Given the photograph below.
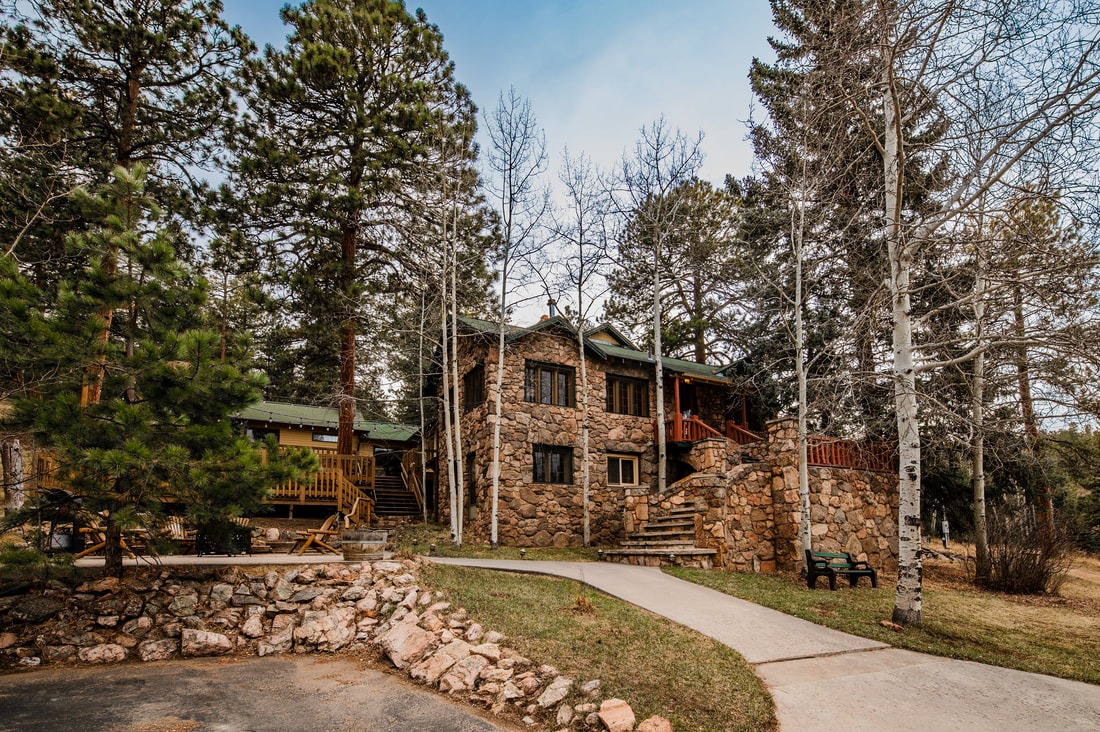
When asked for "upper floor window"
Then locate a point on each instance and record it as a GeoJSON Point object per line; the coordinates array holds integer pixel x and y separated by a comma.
{"type": "Point", "coordinates": [627, 396]}
{"type": "Point", "coordinates": [551, 464]}
{"type": "Point", "coordinates": [473, 387]}
{"type": "Point", "coordinates": [547, 383]}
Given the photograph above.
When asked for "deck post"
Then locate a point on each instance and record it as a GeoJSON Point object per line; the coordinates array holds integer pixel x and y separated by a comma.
{"type": "Point", "coordinates": [677, 416]}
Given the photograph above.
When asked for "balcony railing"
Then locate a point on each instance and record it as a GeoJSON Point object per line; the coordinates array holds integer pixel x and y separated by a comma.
{"type": "Point", "coordinates": [857, 455]}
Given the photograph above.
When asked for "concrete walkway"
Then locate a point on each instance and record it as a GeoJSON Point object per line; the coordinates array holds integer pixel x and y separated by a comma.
{"type": "Point", "coordinates": [822, 679]}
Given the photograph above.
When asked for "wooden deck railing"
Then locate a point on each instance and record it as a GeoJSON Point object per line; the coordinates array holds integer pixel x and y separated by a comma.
{"type": "Point", "coordinates": [325, 486]}
{"type": "Point", "coordinates": [691, 429]}
{"type": "Point", "coordinates": [854, 454]}
{"type": "Point", "coordinates": [410, 474]}
{"type": "Point", "coordinates": [739, 434]}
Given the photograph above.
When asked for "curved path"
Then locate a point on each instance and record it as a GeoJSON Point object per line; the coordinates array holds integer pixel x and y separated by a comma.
{"type": "Point", "coordinates": [822, 679]}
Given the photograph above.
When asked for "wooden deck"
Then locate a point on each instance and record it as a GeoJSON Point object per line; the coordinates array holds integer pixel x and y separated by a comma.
{"type": "Point", "coordinates": [343, 482]}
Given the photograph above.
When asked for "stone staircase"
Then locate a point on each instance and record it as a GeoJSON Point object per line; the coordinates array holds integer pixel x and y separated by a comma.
{"type": "Point", "coordinates": [663, 541]}
{"type": "Point", "coordinates": [392, 498]}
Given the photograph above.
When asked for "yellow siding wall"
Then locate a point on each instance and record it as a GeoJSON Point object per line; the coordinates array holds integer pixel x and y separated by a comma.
{"type": "Point", "coordinates": [303, 437]}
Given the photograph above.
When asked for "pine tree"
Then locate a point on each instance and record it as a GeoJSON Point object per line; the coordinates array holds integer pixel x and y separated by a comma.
{"type": "Point", "coordinates": [338, 122]}
{"type": "Point", "coordinates": [161, 431]}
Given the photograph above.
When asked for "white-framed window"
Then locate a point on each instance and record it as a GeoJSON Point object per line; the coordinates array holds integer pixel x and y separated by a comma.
{"type": "Point", "coordinates": [322, 437]}
{"type": "Point", "coordinates": [622, 469]}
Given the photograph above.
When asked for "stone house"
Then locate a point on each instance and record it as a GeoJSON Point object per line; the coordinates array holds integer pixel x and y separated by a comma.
{"type": "Point", "coordinates": [727, 482]}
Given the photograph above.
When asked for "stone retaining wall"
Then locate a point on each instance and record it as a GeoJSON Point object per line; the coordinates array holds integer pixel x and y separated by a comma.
{"type": "Point", "coordinates": [157, 615]}
{"type": "Point", "coordinates": [750, 511]}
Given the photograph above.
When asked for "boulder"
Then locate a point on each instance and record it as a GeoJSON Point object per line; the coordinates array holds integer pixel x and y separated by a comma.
{"type": "Point", "coordinates": [106, 653]}
{"type": "Point", "coordinates": [281, 638]}
{"type": "Point", "coordinates": [555, 692]}
{"type": "Point", "coordinates": [434, 666]}
{"type": "Point", "coordinates": [616, 715]}
{"type": "Point", "coordinates": [253, 626]}
{"type": "Point", "coordinates": [404, 643]}
{"type": "Point", "coordinates": [463, 675]}
{"type": "Point", "coordinates": [326, 631]}
{"type": "Point", "coordinates": [157, 650]}
{"type": "Point", "coordinates": [656, 723]}
{"type": "Point", "coordinates": [195, 642]}
{"type": "Point", "coordinates": [35, 610]}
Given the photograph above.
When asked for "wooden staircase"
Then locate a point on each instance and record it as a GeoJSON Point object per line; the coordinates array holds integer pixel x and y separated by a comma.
{"type": "Point", "coordinates": [666, 540]}
{"type": "Point", "coordinates": [392, 498]}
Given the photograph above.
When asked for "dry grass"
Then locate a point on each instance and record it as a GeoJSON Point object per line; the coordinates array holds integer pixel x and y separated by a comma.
{"type": "Point", "coordinates": [657, 666]}
{"type": "Point", "coordinates": [1056, 635]}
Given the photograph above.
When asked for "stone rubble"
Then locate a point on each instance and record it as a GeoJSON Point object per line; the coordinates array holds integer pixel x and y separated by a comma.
{"type": "Point", "coordinates": [158, 615]}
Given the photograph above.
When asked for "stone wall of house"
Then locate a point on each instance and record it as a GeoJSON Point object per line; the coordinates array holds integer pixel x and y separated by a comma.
{"type": "Point", "coordinates": [545, 514]}
{"type": "Point", "coordinates": [750, 511]}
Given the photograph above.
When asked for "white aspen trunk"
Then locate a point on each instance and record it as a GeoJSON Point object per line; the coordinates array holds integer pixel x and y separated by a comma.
{"type": "Point", "coordinates": [447, 428]}
{"type": "Point", "coordinates": [977, 415]}
{"type": "Point", "coordinates": [585, 474]}
{"type": "Point", "coordinates": [423, 419]}
{"type": "Point", "coordinates": [798, 229]}
{"type": "Point", "coordinates": [11, 452]}
{"type": "Point", "coordinates": [658, 367]}
{"type": "Point", "coordinates": [907, 600]}
{"type": "Point", "coordinates": [498, 408]}
{"type": "Point", "coordinates": [456, 405]}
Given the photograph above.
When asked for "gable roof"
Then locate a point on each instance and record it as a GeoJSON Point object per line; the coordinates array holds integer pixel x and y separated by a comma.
{"type": "Point", "coordinates": [304, 415]}
{"type": "Point", "coordinates": [626, 350]}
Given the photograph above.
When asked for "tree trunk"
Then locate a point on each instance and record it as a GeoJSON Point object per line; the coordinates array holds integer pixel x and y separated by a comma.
{"type": "Point", "coordinates": [112, 550]}
{"type": "Point", "coordinates": [658, 367]}
{"type": "Point", "coordinates": [1043, 498]}
{"type": "Point", "coordinates": [700, 334]}
{"type": "Point", "coordinates": [11, 458]}
{"type": "Point", "coordinates": [907, 600]}
{"type": "Point", "coordinates": [460, 474]}
{"type": "Point", "coordinates": [498, 413]}
{"type": "Point", "coordinates": [982, 569]}
{"type": "Point", "coordinates": [423, 419]}
{"type": "Point", "coordinates": [346, 405]}
{"type": "Point", "coordinates": [587, 514]}
{"type": "Point", "coordinates": [452, 483]}
{"type": "Point", "coordinates": [798, 229]}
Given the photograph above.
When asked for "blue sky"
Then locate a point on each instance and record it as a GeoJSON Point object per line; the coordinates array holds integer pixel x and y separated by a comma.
{"type": "Point", "coordinates": [596, 71]}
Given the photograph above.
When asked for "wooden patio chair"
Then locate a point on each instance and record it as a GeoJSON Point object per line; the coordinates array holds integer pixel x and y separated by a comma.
{"type": "Point", "coordinates": [178, 533]}
{"type": "Point", "coordinates": [98, 535]}
{"type": "Point", "coordinates": [317, 538]}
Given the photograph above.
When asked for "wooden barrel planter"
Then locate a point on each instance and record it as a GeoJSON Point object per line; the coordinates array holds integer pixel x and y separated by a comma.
{"type": "Point", "coordinates": [363, 545]}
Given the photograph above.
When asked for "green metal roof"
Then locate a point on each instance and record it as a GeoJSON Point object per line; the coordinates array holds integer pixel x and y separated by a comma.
{"type": "Point", "coordinates": [305, 415]}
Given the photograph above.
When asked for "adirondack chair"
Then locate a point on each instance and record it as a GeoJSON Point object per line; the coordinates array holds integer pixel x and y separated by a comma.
{"type": "Point", "coordinates": [317, 538]}
{"type": "Point", "coordinates": [97, 535]}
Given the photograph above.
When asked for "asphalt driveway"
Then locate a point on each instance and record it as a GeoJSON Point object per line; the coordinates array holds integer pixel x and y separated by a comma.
{"type": "Point", "coordinates": [272, 694]}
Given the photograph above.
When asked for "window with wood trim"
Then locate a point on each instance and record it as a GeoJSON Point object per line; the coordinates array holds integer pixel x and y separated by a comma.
{"type": "Point", "coordinates": [551, 464]}
{"type": "Point", "coordinates": [627, 396]}
{"type": "Point", "coordinates": [548, 383]}
{"type": "Point", "coordinates": [473, 387]}
{"type": "Point", "coordinates": [622, 469]}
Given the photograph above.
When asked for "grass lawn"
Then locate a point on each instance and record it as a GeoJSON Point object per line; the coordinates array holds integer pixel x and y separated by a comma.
{"type": "Point", "coordinates": [417, 538]}
{"type": "Point", "coordinates": [658, 667]}
{"type": "Point", "coordinates": [1058, 635]}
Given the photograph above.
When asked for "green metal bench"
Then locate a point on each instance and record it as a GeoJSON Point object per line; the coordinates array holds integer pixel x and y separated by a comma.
{"type": "Point", "coordinates": [824, 564]}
